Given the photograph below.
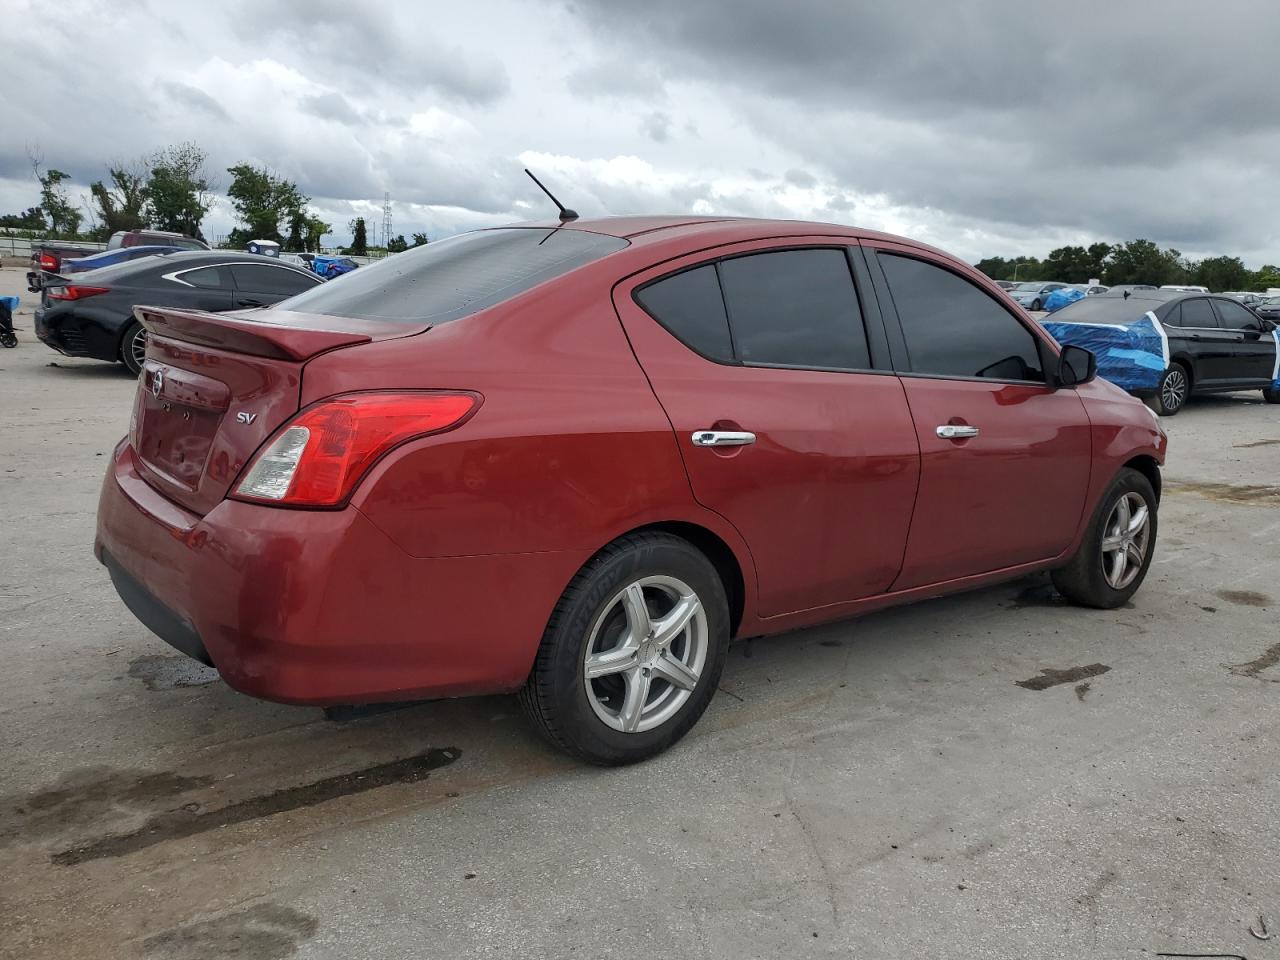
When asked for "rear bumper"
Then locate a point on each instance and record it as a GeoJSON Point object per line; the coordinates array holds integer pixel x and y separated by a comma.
{"type": "Point", "coordinates": [321, 607]}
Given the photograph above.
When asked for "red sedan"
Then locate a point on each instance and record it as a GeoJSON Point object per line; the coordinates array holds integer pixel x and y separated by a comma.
{"type": "Point", "coordinates": [574, 460]}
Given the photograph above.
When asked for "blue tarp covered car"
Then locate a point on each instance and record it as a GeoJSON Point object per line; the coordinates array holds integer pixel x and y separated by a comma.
{"type": "Point", "coordinates": [1167, 344]}
{"type": "Point", "coordinates": [1061, 297]}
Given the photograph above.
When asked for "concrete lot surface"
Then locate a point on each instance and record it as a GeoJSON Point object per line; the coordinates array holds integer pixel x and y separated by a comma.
{"type": "Point", "coordinates": [880, 789]}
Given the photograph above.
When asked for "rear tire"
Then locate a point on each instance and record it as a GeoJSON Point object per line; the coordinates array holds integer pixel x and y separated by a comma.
{"type": "Point", "coordinates": [1116, 552]}
{"type": "Point", "coordinates": [1172, 391]}
{"type": "Point", "coordinates": [1271, 395]}
{"type": "Point", "coordinates": [647, 607]}
{"type": "Point", "coordinates": [133, 348]}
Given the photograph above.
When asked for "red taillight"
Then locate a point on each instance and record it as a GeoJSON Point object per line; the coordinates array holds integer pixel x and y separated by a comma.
{"type": "Point", "coordinates": [318, 457]}
{"type": "Point", "coordinates": [49, 262]}
{"type": "Point", "coordinates": [75, 292]}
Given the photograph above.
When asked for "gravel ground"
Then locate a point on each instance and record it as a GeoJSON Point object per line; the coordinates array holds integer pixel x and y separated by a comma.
{"type": "Point", "coordinates": [881, 788]}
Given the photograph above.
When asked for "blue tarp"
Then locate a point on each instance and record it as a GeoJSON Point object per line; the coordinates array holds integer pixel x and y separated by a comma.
{"type": "Point", "coordinates": [10, 302]}
{"type": "Point", "coordinates": [1133, 356]}
{"type": "Point", "coordinates": [1061, 297]}
{"type": "Point", "coordinates": [1275, 370]}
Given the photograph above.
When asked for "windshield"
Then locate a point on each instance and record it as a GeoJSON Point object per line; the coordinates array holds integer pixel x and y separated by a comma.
{"type": "Point", "coordinates": [457, 277]}
{"type": "Point", "coordinates": [1033, 285]}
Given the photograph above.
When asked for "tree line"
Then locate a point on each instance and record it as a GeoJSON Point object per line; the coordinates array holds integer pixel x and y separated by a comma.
{"type": "Point", "coordinates": [172, 190]}
{"type": "Point", "coordinates": [1137, 261]}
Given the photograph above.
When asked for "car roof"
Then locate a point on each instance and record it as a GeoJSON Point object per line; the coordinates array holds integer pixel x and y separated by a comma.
{"type": "Point", "coordinates": [1158, 296]}
{"type": "Point", "coordinates": [142, 267]}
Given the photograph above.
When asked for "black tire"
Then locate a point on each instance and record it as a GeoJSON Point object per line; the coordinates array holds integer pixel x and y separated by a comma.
{"type": "Point", "coordinates": [133, 338]}
{"type": "Point", "coordinates": [1083, 580]}
{"type": "Point", "coordinates": [1271, 395]}
{"type": "Point", "coordinates": [1172, 390]}
{"type": "Point", "coordinates": [556, 697]}
{"type": "Point", "coordinates": [1036, 305]}
{"type": "Point", "coordinates": [8, 339]}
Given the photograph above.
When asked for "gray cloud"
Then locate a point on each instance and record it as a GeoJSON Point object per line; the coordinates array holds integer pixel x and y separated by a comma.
{"type": "Point", "coordinates": [194, 99]}
{"type": "Point", "coordinates": [331, 106]}
{"type": "Point", "coordinates": [656, 126]}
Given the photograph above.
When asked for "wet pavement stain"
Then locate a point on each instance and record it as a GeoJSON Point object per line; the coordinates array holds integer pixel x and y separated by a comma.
{"type": "Point", "coordinates": [1269, 658]}
{"type": "Point", "coordinates": [1255, 443]}
{"type": "Point", "coordinates": [191, 819]}
{"type": "Point", "coordinates": [1228, 492]}
{"type": "Point", "coordinates": [265, 931]}
{"type": "Point", "coordinates": [1245, 598]}
{"type": "Point", "coordinates": [1082, 689]}
{"type": "Point", "coordinates": [169, 673]}
{"type": "Point", "coordinates": [831, 643]}
{"type": "Point", "coordinates": [85, 796]}
{"type": "Point", "coordinates": [1051, 678]}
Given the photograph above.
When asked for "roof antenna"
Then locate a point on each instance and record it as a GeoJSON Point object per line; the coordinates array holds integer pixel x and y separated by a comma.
{"type": "Point", "coordinates": [565, 212]}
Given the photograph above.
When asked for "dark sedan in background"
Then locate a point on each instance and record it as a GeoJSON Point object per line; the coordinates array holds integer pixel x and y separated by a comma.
{"type": "Point", "coordinates": [91, 314]}
{"type": "Point", "coordinates": [1167, 345]}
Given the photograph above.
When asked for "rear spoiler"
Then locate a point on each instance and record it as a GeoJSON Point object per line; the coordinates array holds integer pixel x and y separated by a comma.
{"type": "Point", "coordinates": [255, 337]}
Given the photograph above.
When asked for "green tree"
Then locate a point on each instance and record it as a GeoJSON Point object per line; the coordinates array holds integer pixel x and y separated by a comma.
{"type": "Point", "coordinates": [315, 232]}
{"type": "Point", "coordinates": [1265, 278]}
{"type": "Point", "coordinates": [178, 189]}
{"type": "Point", "coordinates": [122, 206]}
{"type": "Point", "coordinates": [30, 219]}
{"type": "Point", "coordinates": [419, 240]}
{"type": "Point", "coordinates": [262, 200]}
{"type": "Point", "coordinates": [64, 218]}
{"type": "Point", "coordinates": [359, 238]}
{"type": "Point", "coordinates": [1222, 273]}
{"type": "Point", "coordinates": [1068, 264]}
{"type": "Point", "coordinates": [397, 244]}
{"type": "Point", "coordinates": [296, 241]}
{"type": "Point", "coordinates": [1141, 261]}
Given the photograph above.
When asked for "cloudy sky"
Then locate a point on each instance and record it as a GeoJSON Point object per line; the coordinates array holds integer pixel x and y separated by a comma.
{"type": "Point", "coordinates": [984, 126]}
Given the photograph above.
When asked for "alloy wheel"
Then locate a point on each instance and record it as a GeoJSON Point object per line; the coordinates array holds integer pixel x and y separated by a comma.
{"type": "Point", "coordinates": [645, 653]}
{"type": "Point", "coordinates": [1125, 538]}
{"type": "Point", "coordinates": [139, 347]}
{"type": "Point", "coordinates": [1173, 391]}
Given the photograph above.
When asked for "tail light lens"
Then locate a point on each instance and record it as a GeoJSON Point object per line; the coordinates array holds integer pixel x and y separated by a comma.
{"type": "Point", "coordinates": [49, 262]}
{"type": "Point", "coordinates": [75, 292]}
{"type": "Point", "coordinates": [318, 457]}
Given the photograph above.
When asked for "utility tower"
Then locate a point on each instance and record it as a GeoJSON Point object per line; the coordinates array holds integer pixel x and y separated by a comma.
{"type": "Point", "coordinates": [386, 217]}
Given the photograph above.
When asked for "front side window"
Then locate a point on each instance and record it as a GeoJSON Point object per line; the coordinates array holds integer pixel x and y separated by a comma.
{"type": "Point", "coordinates": [1236, 317]}
{"type": "Point", "coordinates": [955, 329]}
{"type": "Point", "coordinates": [795, 308]}
{"type": "Point", "coordinates": [1198, 313]}
{"type": "Point", "coordinates": [454, 278]}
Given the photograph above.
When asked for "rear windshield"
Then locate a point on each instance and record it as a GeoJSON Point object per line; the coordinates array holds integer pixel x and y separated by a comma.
{"type": "Point", "coordinates": [455, 278]}
{"type": "Point", "coordinates": [1105, 309]}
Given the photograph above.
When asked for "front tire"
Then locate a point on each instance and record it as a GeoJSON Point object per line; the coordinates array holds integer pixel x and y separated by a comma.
{"type": "Point", "coordinates": [133, 348]}
{"type": "Point", "coordinates": [1036, 305]}
{"type": "Point", "coordinates": [1116, 552]}
{"type": "Point", "coordinates": [633, 651]}
{"type": "Point", "coordinates": [1172, 391]}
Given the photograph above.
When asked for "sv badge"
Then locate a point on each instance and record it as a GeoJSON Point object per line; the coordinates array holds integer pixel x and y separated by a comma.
{"type": "Point", "coordinates": [246, 418]}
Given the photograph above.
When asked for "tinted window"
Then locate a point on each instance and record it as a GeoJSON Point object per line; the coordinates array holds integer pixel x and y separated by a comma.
{"type": "Point", "coordinates": [795, 308]}
{"type": "Point", "coordinates": [262, 278]}
{"type": "Point", "coordinates": [207, 278]}
{"type": "Point", "coordinates": [1235, 316]}
{"type": "Point", "coordinates": [1174, 317]}
{"type": "Point", "coordinates": [455, 278]}
{"type": "Point", "coordinates": [955, 329]}
{"type": "Point", "coordinates": [690, 306]}
{"type": "Point", "coordinates": [1198, 313]}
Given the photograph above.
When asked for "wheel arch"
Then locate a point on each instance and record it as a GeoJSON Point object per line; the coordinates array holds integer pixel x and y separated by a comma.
{"type": "Point", "coordinates": [1185, 361]}
{"type": "Point", "coordinates": [1149, 467]}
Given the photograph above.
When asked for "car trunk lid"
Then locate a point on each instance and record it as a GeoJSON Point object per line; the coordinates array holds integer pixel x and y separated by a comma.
{"type": "Point", "coordinates": [214, 387]}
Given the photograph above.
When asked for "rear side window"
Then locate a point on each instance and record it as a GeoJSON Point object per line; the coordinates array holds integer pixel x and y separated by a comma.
{"type": "Point", "coordinates": [264, 278]}
{"type": "Point", "coordinates": [1234, 316]}
{"type": "Point", "coordinates": [955, 329]}
{"type": "Point", "coordinates": [207, 278]}
{"type": "Point", "coordinates": [455, 278]}
{"type": "Point", "coordinates": [795, 308]}
{"type": "Point", "coordinates": [689, 305]}
{"type": "Point", "coordinates": [1174, 317]}
{"type": "Point", "coordinates": [1198, 313]}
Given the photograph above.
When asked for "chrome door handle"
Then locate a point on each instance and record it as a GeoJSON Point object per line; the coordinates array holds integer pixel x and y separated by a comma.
{"type": "Point", "coordinates": [951, 431]}
{"type": "Point", "coordinates": [722, 438]}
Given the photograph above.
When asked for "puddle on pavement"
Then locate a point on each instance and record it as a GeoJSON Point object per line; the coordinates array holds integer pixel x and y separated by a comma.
{"type": "Point", "coordinates": [1051, 678]}
{"type": "Point", "coordinates": [1245, 598]}
{"type": "Point", "coordinates": [169, 673]}
{"type": "Point", "coordinates": [266, 931]}
{"type": "Point", "coordinates": [1269, 658]}
{"type": "Point", "coordinates": [1082, 689]}
{"type": "Point", "coordinates": [190, 820]}
{"type": "Point", "coordinates": [1228, 492]}
{"type": "Point", "coordinates": [84, 797]}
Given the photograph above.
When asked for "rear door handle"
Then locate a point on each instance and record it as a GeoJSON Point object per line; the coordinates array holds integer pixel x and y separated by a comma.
{"type": "Point", "coordinates": [722, 438]}
{"type": "Point", "coordinates": [952, 431]}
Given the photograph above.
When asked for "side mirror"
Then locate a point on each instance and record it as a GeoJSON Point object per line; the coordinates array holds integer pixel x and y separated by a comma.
{"type": "Point", "coordinates": [1076, 365]}
{"type": "Point", "coordinates": [1268, 325]}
